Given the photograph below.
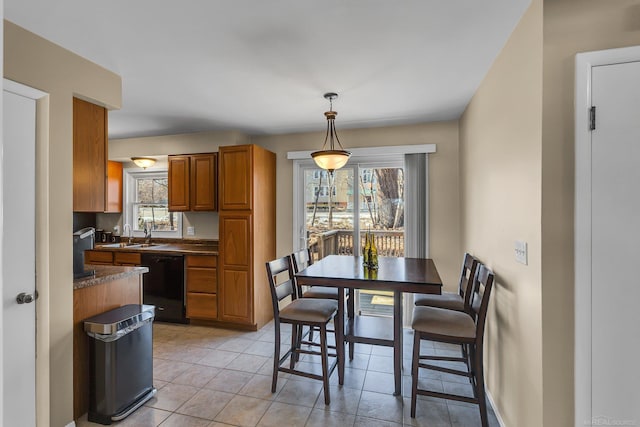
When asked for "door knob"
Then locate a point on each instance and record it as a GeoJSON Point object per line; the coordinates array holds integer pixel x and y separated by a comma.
{"type": "Point", "coordinates": [24, 298]}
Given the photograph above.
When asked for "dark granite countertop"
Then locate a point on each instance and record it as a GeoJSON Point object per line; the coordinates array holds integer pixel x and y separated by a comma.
{"type": "Point", "coordinates": [106, 273]}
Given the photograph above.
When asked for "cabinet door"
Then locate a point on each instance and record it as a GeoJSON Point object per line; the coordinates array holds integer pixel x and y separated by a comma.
{"type": "Point", "coordinates": [89, 156]}
{"type": "Point", "coordinates": [179, 183]}
{"type": "Point", "coordinates": [236, 305]}
{"type": "Point", "coordinates": [236, 166]}
{"type": "Point", "coordinates": [235, 290]}
{"type": "Point", "coordinates": [203, 182]}
{"type": "Point", "coordinates": [114, 187]}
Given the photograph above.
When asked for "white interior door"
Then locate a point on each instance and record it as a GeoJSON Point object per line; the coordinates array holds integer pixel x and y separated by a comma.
{"type": "Point", "coordinates": [615, 231]}
{"type": "Point", "coordinates": [18, 259]}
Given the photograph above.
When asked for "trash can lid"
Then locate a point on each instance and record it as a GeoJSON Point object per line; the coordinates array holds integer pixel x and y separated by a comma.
{"type": "Point", "coordinates": [112, 321]}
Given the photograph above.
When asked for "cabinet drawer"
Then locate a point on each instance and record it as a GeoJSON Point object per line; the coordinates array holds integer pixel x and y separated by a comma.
{"type": "Point", "coordinates": [126, 258]}
{"type": "Point", "coordinates": [202, 306]}
{"type": "Point", "coordinates": [202, 280]}
{"type": "Point", "coordinates": [98, 257]}
{"type": "Point", "coordinates": [207, 261]}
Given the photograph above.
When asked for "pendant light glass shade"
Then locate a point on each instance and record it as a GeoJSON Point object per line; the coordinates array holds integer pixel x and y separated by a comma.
{"type": "Point", "coordinates": [332, 158]}
{"type": "Point", "coordinates": [143, 162]}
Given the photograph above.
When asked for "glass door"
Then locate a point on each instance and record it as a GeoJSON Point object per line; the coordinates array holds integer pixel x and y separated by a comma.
{"type": "Point", "coordinates": [340, 209]}
{"type": "Point", "coordinates": [329, 212]}
{"type": "Point", "coordinates": [381, 213]}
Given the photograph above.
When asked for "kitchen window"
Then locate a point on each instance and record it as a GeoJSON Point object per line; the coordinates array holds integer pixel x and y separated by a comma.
{"type": "Point", "coordinates": [146, 195]}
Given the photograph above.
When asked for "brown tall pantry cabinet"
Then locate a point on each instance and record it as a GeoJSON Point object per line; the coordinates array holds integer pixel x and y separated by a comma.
{"type": "Point", "coordinates": [247, 215]}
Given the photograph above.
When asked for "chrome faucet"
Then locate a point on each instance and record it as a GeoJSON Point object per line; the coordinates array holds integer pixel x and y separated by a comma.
{"type": "Point", "coordinates": [124, 231]}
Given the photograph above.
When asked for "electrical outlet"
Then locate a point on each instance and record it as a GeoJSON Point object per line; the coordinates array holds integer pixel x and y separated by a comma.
{"type": "Point", "coordinates": [191, 231]}
{"type": "Point", "coordinates": [520, 249]}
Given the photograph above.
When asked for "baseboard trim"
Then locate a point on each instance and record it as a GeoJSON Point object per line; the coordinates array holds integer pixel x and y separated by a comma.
{"type": "Point", "coordinates": [73, 424]}
{"type": "Point", "coordinates": [495, 408]}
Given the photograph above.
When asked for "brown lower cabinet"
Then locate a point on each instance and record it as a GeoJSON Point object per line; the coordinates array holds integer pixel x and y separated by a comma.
{"type": "Point", "coordinates": [202, 286]}
{"type": "Point", "coordinates": [98, 257]}
{"type": "Point", "coordinates": [201, 276]}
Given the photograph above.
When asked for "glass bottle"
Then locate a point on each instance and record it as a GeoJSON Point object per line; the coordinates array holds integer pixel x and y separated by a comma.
{"type": "Point", "coordinates": [373, 254]}
{"type": "Point", "coordinates": [366, 250]}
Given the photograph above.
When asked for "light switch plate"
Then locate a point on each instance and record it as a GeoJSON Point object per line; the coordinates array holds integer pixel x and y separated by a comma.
{"type": "Point", "coordinates": [520, 249]}
{"type": "Point", "coordinates": [191, 231]}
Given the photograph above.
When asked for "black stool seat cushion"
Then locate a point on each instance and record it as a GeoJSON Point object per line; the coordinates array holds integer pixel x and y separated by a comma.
{"type": "Point", "coordinates": [309, 310]}
{"type": "Point", "coordinates": [448, 300]}
{"type": "Point", "coordinates": [443, 322]}
{"type": "Point", "coordinates": [325, 292]}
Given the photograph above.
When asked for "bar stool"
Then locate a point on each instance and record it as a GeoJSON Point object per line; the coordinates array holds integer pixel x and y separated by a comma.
{"type": "Point", "coordinates": [301, 260]}
{"type": "Point", "coordinates": [450, 300]}
{"type": "Point", "coordinates": [455, 327]}
{"type": "Point", "coordinates": [312, 312]}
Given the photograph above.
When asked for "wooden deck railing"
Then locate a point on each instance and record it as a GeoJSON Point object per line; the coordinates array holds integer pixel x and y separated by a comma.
{"type": "Point", "coordinates": [340, 242]}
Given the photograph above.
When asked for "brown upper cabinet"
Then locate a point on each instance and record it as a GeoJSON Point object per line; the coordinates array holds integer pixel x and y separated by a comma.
{"type": "Point", "coordinates": [89, 156]}
{"type": "Point", "coordinates": [114, 187]}
{"type": "Point", "coordinates": [236, 177]}
{"type": "Point", "coordinates": [193, 182]}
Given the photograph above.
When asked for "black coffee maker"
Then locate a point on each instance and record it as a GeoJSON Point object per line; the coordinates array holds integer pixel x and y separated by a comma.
{"type": "Point", "coordinates": [82, 240]}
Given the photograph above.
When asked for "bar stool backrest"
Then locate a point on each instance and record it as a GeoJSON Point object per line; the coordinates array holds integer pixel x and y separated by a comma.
{"type": "Point", "coordinates": [467, 276]}
{"type": "Point", "coordinates": [281, 285]}
{"type": "Point", "coordinates": [483, 284]}
{"type": "Point", "coordinates": [301, 260]}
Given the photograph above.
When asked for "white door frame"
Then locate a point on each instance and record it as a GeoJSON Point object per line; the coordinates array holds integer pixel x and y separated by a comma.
{"type": "Point", "coordinates": [582, 225]}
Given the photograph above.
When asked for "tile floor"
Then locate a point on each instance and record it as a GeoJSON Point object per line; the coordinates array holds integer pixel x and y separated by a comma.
{"type": "Point", "coordinates": [214, 377]}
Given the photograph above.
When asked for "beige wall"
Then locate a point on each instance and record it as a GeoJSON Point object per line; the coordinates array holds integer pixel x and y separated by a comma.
{"type": "Point", "coordinates": [35, 62]}
{"type": "Point", "coordinates": [500, 163]}
{"type": "Point", "coordinates": [186, 143]}
{"type": "Point", "coordinates": [444, 201]}
{"type": "Point", "coordinates": [570, 27]}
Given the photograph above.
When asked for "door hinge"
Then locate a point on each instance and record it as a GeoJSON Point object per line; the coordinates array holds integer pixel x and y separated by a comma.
{"type": "Point", "coordinates": [592, 118]}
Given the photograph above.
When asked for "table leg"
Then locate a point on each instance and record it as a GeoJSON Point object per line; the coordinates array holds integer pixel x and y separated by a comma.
{"type": "Point", "coordinates": [351, 314]}
{"type": "Point", "coordinates": [397, 341]}
{"type": "Point", "coordinates": [339, 328]}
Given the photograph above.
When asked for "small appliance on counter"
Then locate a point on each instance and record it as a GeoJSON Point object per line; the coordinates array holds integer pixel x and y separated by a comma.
{"type": "Point", "coordinates": [82, 240]}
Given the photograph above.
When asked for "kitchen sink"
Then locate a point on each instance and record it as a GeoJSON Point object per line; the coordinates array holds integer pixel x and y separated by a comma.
{"type": "Point", "coordinates": [115, 245]}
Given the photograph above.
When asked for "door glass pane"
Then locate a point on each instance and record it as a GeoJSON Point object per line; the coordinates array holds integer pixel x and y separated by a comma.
{"type": "Point", "coordinates": [329, 212]}
{"type": "Point", "coordinates": [382, 214]}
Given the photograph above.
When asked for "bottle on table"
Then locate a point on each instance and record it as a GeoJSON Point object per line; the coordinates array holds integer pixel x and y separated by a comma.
{"type": "Point", "coordinates": [366, 251]}
{"type": "Point", "coordinates": [373, 254]}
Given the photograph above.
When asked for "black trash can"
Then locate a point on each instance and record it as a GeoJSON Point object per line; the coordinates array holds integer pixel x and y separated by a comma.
{"type": "Point", "coordinates": [121, 364]}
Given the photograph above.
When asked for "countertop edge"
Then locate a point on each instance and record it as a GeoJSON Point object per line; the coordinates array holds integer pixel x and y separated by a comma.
{"type": "Point", "coordinates": [106, 273]}
{"type": "Point", "coordinates": [163, 248]}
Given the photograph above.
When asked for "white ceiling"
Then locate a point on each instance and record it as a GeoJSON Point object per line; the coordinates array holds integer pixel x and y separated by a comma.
{"type": "Point", "coordinates": [261, 67]}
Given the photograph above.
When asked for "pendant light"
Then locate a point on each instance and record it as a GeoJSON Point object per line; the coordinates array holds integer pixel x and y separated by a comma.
{"type": "Point", "coordinates": [331, 159]}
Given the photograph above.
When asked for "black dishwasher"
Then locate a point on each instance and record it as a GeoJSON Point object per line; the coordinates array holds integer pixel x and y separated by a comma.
{"type": "Point", "coordinates": [164, 286]}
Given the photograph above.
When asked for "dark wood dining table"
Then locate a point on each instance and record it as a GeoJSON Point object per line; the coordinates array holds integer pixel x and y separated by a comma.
{"type": "Point", "coordinates": [416, 275]}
